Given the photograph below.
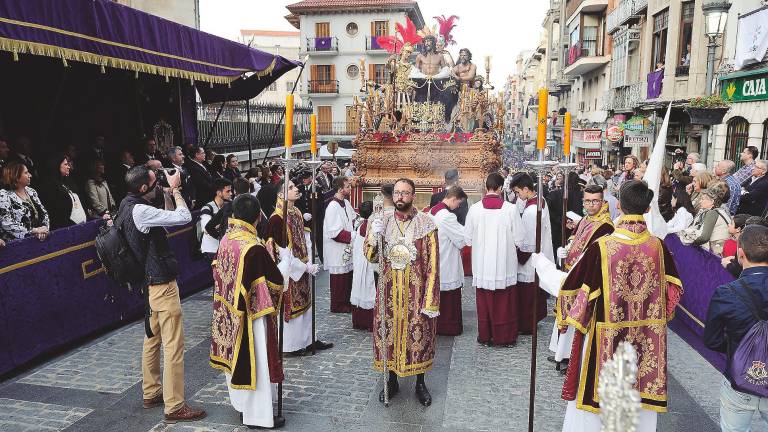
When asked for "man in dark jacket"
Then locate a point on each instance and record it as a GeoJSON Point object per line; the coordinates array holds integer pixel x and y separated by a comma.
{"type": "Point", "coordinates": [200, 179]}
{"type": "Point", "coordinates": [730, 318]}
{"type": "Point", "coordinates": [451, 179]}
{"type": "Point", "coordinates": [755, 193]}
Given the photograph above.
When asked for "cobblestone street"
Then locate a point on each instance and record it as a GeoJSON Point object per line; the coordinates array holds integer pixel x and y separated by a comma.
{"type": "Point", "coordinates": [97, 387]}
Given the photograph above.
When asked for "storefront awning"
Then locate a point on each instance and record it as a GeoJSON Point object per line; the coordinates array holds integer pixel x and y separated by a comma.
{"type": "Point", "coordinates": [108, 34]}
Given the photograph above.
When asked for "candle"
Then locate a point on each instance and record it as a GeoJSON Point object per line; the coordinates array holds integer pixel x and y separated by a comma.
{"type": "Point", "coordinates": [313, 134]}
{"type": "Point", "coordinates": [289, 121]}
{"type": "Point", "coordinates": [487, 62]}
{"type": "Point", "coordinates": [567, 135]}
{"type": "Point", "coordinates": [541, 140]}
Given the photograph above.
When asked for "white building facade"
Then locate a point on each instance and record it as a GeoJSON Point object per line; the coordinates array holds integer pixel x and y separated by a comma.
{"type": "Point", "coordinates": [285, 44]}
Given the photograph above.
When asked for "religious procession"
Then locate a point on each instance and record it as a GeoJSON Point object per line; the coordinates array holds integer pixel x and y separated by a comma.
{"type": "Point", "coordinates": [570, 238]}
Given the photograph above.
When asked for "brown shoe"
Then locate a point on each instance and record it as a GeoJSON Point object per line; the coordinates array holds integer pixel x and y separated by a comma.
{"type": "Point", "coordinates": [154, 402]}
{"type": "Point", "coordinates": [185, 413]}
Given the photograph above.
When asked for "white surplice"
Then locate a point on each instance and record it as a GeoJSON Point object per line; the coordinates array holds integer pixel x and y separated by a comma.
{"type": "Point", "coordinates": [450, 235]}
{"type": "Point", "coordinates": [297, 333]}
{"type": "Point", "coordinates": [337, 219]}
{"type": "Point", "coordinates": [363, 284]}
{"type": "Point", "coordinates": [494, 235]}
{"type": "Point", "coordinates": [550, 280]}
{"type": "Point", "coordinates": [525, 272]}
{"type": "Point", "coordinates": [256, 405]}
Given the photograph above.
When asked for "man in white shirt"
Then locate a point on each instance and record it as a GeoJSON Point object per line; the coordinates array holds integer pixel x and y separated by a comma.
{"type": "Point", "coordinates": [527, 288]}
{"type": "Point", "coordinates": [338, 226]}
{"type": "Point", "coordinates": [450, 235]}
{"type": "Point", "coordinates": [209, 244]}
{"type": "Point", "coordinates": [494, 230]}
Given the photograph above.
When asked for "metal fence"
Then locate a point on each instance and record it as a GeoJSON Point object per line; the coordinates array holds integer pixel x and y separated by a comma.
{"type": "Point", "coordinates": [230, 133]}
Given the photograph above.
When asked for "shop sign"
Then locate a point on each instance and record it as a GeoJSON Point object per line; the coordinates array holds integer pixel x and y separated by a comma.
{"type": "Point", "coordinates": [746, 89]}
{"type": "Point", "coordinates": [642, 140]}
{"type": "Point", "coordinates": [614, 134]}
{"type": "Point", "coordinates": [593, 154]}
{"type": "Point", "coordinates": [637, 124]}
{"type": "Point", "coordinates": [586, 138]}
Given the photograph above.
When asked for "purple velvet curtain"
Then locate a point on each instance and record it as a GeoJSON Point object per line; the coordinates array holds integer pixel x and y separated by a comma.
{"type": "Point", "coordinates": [655, 83]}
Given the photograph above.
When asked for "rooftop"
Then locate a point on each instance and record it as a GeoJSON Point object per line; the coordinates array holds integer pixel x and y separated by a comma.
{"type": "Point", "coordinates": [312, 5]}
{"type": "Point", "coordinates": [269, 33]}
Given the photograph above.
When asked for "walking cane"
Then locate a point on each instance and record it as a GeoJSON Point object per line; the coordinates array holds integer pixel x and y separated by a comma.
{"type": "Point", "coordinates": [540, 166]}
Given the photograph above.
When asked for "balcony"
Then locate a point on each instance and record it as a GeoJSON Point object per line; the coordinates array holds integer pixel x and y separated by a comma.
{"type": "Point", "coordinates": [625, 11]}
{"type": "Point", "coordinates": [583, 57]}
{"type": "Point", "coordinates": [323, 45]}
{"type": "Point", "coordinates": [337, 129]}
{"type": "Point", "coordinates": [623, 99]}
{"type": "Point", "coordinates": [321, 87]}
{"type": "Point", "coordinates": [372, 46]}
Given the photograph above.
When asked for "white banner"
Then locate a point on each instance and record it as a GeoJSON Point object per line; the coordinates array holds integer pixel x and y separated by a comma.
{"type": "Point", "coordinates": [752, 39]}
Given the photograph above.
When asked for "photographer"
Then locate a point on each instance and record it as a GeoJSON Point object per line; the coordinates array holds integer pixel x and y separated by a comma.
{"type": "Point", "coordinates": [145, 230]}
{"type": "Point", "coordinates": [681, 170]}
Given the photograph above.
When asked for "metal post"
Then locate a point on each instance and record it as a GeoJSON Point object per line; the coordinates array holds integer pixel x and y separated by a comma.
{"type": "Point", "coordinates": [314, 164]}
{"type": "Point", "coordinates": [708, 91]}
{"type": "Point", "coordinates": [248, 132]}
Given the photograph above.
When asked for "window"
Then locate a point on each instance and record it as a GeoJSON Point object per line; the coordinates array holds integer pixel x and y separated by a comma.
{"type": "Point", "coordinates": [322, 29]}
{"type": "Point", "coordinates": [352, 29]}
{"type": "Point", "coordinates": [379, 74]}
{"type": "Point", "coordinates": [660, 24]}
{"type": "Point", "coordinates": [736, 139]}
{"type": "Point", "coordinates": [322, 79]}
{"type": "Point", "coordinates": [353, 71]}
{"type": "Point", "coordinates": [380, 28]}
{"type": "Point", "coordinates": [272, 87]}
{"type": "Point", "coordinates": [323, 73]}
{"type": "Point", "coordinates": [289, 86]}
{"type": "Point", "coordinates": [686, 34]}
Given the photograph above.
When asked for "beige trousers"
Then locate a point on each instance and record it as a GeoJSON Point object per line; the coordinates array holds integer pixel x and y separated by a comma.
{"type": "Point", "coordinates": [165, 322]}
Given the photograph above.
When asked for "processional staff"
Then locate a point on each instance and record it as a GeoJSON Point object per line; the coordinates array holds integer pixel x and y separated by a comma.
{"type": "Point", "coordinates": [314, 164]}
{"type": "Point", "coordinates": [540, 166]}
{"type": "Point", "coordinates": [567, 166]}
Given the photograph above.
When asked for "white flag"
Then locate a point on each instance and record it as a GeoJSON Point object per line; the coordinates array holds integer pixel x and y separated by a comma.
{"type": "Point", "coordinates": [656, 223]}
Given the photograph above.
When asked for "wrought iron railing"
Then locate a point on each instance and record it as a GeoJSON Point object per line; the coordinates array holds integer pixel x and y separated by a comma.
{"type": "Point", "coordinates": [323, 86]}
{"type": "Point", "coordinates": [230, 133]}
{"type": "Point", "coordinates": [322, 44]}
{"type": "Point", "coordinates": [624, 10]}
{"type": "Point", "coordinates": [344, 128]}
{"type": "Point", "coordinates": [623, 98]}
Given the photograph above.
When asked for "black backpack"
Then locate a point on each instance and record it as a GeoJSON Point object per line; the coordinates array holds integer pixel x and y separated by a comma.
{"type": "Point", "coordinates": [116, 255]}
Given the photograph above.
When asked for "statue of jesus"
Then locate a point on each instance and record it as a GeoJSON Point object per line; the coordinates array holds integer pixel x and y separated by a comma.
{"type": "Point", "coordinates": [465, 70]}
{"type": "Point", "coordinates": [430, 63]}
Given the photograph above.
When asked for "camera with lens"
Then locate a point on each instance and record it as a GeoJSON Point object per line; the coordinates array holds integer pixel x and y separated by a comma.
{"type": "Point", "coordinates": [679, 156]}
{"type": "Point", "coordinates": [162, 176]}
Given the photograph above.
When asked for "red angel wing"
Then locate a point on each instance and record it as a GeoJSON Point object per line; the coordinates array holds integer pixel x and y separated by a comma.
{"type": "Point", "coordinates": [409, 33]}
{"type": "Point", "coordinates": [389, 43]}
{"type": "Point", "coordinates": [446, 26]}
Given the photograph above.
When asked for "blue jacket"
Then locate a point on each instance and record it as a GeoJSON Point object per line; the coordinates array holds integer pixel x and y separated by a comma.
{"type": "Point", "coordinates": [728, 318]}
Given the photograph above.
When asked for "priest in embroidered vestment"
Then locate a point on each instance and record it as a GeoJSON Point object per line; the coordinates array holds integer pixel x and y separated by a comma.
{"type": "Point", "coordinates": [411, 285]}
{"type": "Point", "coordinates": [451, 240]}
{"type": "Point", "coordinates": [624, 288]}
{"type": "Point", "coordinates": [494, 230]}
{"type": "Point", "coordinates": [247, 291]}
{"type": "Point", "coordinates": [297, 300]}
{"type": "Point", "coordinates": [596, 224]}
{"type": "Point", "coordinates": [338, 226]}
{"type": "Point", "coordinates": [527, 288]}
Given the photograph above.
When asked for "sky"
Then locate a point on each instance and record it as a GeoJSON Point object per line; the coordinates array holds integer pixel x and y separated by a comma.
{"type": "Point", "coordinates": [497, 28]}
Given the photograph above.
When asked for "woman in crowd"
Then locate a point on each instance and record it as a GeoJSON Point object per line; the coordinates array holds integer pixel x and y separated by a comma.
{"type": "Point", "coordinates": [631, 163]}
{"type": "Point", "coordinates": [58, 194]}
{"type": "Point", "coordinates": [232, 170]}
{"type": "Point", "coordinates": [683, 208]}
{"type": "Point", "coordinates": [665, 196]}
{"type": "Point", "coordinates": [21, 212]}
{"type": "Point", "coordinates": [254, 178]}
{"type": "Point", "coordinates": [597, 178]}
{"type": "Point", "coordinates": [217, 167]}
{"type": "Point", "coordinates": [100, 199]}
{"type": "Point", "coordinates": [700, 182]}
{"type": "Point", "coordinates": [335, 172]}
{"type": "Point", "coordinates": [710, 226]}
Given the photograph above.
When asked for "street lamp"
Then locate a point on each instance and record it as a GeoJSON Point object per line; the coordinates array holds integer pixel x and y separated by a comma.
{"type": "Point", "coordinates": [715, 17]}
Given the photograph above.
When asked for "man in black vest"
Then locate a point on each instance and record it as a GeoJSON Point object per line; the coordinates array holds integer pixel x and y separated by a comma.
{"type": "Point", "coordinates": [145, 230]}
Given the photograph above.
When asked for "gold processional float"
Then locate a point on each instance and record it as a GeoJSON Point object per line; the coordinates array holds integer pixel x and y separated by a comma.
{"type": "Point", "coordinates": [430, 115]}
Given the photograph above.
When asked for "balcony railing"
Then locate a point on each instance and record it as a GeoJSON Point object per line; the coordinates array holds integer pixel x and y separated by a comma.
{"type": "Point", "coordinates": [338, 128]}
{"type": "Point", "coordinates": [323, 44]}
{"type": "Point", "coordinates": [323, 86]}
{"type": "Point", "coordinates": [624, 11]}
{"type": "Point", "coordinates": [371, 44]}
{"type": "Point", "coordinates": [623, 99]}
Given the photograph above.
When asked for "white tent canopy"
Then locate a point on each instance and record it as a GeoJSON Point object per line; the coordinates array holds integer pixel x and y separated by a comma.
{"type": "Point", "coordinates": [341, 153]}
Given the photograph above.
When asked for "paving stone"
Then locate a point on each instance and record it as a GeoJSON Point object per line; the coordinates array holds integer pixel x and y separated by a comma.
{"type": "Point", "coordinates": [19, 415]}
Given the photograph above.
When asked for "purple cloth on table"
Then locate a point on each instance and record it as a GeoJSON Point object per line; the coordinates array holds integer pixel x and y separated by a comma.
{"type": "Point", "coordinates": [655, 83]}
{"type": "Point", "coordinates": [701, 273]}
{"type": "Point", "coordinates": [54, 293]}
{"type": "Point", "coordinates": [108, 29]}
{"type": "Point", "coordinates": [323, 43]}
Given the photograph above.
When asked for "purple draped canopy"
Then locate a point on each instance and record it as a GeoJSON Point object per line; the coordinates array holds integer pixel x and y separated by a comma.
{"type": "Point", "coordinates": [108, 34]}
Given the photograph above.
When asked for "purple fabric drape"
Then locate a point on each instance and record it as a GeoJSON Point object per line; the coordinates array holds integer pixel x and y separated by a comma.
{"type": "Point", "coordinates": [375, 43]}
{"type": "Point", "coordinates": [701, 273]}
{"type": "Point", "coordinates": [47, 304]}
{"type": "Point", "coordinates": [107, 33]}
{"type": "Point", "coordinates": [323, 44]}
{"type": "Point", "coordinates": [655, 83]}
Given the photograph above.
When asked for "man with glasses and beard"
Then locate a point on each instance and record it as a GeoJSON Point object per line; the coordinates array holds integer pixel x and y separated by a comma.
{"type": "Point", "coordinates": [410, 270]}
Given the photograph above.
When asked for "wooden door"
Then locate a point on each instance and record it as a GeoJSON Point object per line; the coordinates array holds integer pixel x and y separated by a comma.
{"type": "Point", "coordinates": [322, 29]}
{"type": "Point", "coordinates": [379, 28]}
{"type": "Point", "coordinates": [324, 120]}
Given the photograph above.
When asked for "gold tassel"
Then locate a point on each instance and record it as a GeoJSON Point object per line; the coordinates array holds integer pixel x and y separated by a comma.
{"type": "Point", "coordinates": [63, 60]}
{"type": "Point", "coordinates": [136, 74]}
{"type": "Point", "coordinates": [103, 69]}
{"type": "Point", "coordinates": [167, 79]}
{"type": "Point", "coordinates": [229, 85]}
{"type": "Point", "coordinates": [191, 81]}
{"type": "Point", "coordinates": [15, 55]}
{"type": "Point", "coordinates": [211, 84]}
